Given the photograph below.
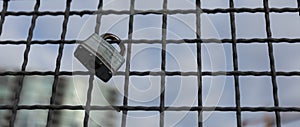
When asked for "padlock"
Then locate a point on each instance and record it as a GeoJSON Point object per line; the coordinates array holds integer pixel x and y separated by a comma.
{"type": "Point", "coordinates": [99, 56]}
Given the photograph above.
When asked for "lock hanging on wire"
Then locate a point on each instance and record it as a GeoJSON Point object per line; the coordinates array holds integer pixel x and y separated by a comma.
{"type": "Point", "coordinates": [99, 56]}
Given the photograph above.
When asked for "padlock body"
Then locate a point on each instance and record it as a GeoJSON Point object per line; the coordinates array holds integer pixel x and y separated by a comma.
{"type": "Point", "coordinates": [104, 51]}
{"type": "Point", "coordinates": [93, 63]}
{"type": "Point", "coordinates": [100, 57]}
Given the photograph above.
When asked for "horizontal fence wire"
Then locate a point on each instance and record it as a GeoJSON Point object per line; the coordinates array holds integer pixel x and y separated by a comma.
{"type": "Point", "coordinates": [151, 108]}
{"type": "Point", "coordinates": [162, 108]}
{"type": "Point", "coordinates": [156, 73]}
{"type": "Point", "coordinates": [143, 41]}
{"type": "Point", "coordinates": [147, 12]}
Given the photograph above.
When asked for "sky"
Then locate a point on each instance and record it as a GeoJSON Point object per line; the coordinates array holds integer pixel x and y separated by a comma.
{"type": "Point", "coordinates": [180, 91]}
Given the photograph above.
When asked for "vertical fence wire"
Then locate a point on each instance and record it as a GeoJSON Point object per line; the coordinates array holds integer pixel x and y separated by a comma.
{"type": "Point", "coordinates": [163, 64]}
{"type": "Point", "coordinates": [235, 65]}
{"type": "Point", "coordinates": [199, 62]}
{"type": "Point", "coordinates": [298, 2]}
{"type": "Point", "coordinates": [99, 16]}
{"type": "Point", "coordinates": [88, 101]}
{"type": "Point", "coordinates": [58, 62]}
{"type": "Point", "coordinates": [128, 59]}
{"type": "Point", "coordinates": [91, 78]}
{"type": "Point", "coordinates": [3, 12]}
{"type": "Point", "coordinates": [272, 62]}
{"type": "Point", "coordinates": [24, 65]}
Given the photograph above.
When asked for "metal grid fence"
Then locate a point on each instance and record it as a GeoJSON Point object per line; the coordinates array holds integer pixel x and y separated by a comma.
{"type": "Point", "coordinates": [163, 73]}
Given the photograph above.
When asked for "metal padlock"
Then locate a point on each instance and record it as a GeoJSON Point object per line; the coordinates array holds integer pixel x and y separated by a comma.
{"type": "Point", "coordinates": [99, 56]}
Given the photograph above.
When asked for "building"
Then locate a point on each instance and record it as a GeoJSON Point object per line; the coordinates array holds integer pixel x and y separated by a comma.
{"type": "Point", "coordinates": [37, 91]}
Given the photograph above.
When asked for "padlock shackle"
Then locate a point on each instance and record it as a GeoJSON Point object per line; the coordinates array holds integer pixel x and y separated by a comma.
{"type": "Point", "coordinates": [114, 38]}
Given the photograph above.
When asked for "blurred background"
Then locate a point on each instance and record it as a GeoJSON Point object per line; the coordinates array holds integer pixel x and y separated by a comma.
{"type": "Point", "coordinates": [255, 91]}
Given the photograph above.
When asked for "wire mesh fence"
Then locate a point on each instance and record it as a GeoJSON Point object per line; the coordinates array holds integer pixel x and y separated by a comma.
{"type": "Point", "coordinates": [199, 73]}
